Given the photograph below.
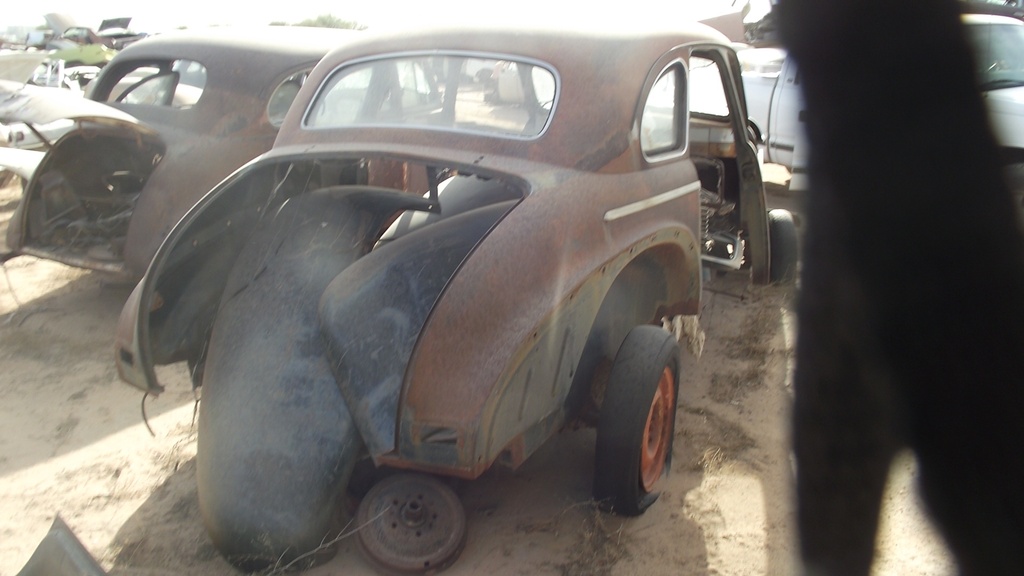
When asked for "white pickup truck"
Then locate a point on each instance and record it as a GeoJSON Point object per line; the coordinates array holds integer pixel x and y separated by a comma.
{"type": "Point", "coordinates": [776, 105]}
{"type": "Point", "coordinates": [772, 85]}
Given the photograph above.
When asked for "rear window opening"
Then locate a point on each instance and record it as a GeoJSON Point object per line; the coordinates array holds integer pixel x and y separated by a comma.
{"type": "Point", "coordinates": [487, 95]}
{"type": "Point", "coordinates": [171, 83]}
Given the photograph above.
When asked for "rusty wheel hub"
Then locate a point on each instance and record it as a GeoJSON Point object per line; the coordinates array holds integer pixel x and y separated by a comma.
{"type": "Point", "coordinates": [658, 432]}
{"type": "Point", "coordinates": [411, 524]}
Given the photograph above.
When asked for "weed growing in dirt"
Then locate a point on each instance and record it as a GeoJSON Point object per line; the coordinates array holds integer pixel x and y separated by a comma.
{"type": "Point", "coordinates": [601, 544]}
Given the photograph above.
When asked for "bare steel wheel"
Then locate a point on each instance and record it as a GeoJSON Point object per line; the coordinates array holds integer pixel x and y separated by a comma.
{"type": "Point", "coordinates": [411, 524]}
{"type": "Point", "coordinates": [658, 432]}
{"type": "Point", "coordinates": [637, 422]}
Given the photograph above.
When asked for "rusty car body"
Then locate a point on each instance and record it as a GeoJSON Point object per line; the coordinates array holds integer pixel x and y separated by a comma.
{"type": "Point", "coordinates": [420, 276]}
{"type": "Point", "coordinates": [166, 120]}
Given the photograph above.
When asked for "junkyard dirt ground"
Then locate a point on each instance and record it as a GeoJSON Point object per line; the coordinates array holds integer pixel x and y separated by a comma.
{"type": "Point", "coordinates": [73, 442]}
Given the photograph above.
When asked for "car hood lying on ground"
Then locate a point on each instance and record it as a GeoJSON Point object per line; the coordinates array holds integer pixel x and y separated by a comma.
{"type": "Point", "coordinates": [18, 65]}
{"type": "Point", "coordinates": [38, 106]}
{"type": "Point", "coordinates": [49, 113]}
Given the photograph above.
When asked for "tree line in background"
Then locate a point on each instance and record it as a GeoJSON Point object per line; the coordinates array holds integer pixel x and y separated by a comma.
{"type": "Point", "coordinates": [325, 21]}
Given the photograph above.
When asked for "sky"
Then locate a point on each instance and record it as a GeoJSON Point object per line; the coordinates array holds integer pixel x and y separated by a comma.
{"type": "Point", "coordinates": [155, 16]}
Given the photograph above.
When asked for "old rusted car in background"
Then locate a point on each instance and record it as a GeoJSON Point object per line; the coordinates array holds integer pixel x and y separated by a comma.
{"type": "Point", "coordinates": [166, 120]}
{"type": "Point", "coordinates": [422, 278]}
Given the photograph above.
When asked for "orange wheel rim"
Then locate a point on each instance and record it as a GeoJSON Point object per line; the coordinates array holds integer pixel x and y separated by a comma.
{"type": "Point", "coordinates": [657, 432]}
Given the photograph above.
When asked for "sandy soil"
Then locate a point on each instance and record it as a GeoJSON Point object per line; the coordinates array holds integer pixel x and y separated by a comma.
{"type": "Point", "coordinates": [73, 442]}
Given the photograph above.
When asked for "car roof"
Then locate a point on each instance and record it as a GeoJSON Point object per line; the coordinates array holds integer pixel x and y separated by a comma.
{"type": "Point", "coordinates": [563, 46]}
{"type": "Point", "coordinates": [601, 72]}
{"type": "Point", "coordinates": [235, 58]}
{"type": "Point", "coordinates": [229, 42]}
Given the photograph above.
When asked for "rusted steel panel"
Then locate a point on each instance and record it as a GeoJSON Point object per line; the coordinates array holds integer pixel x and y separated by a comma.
{"type": "Point", "coordinates": [372, 314]}
{"type": "Point", "coordinates": [496, 304]}
{"type": "Point", "coordinates": [461, 331]}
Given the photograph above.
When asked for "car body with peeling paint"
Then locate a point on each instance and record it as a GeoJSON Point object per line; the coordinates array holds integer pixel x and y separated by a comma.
{"type": "Point", "coordinates": [433, 273]}
{"type": "Point", "coordinates": [167, 119]}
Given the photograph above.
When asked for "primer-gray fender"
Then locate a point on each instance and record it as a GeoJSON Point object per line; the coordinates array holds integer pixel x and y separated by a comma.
{"type": "Point", "coordinates": [277, 442]}
{"type": "Point", "coordinates": [169, 315]}
{"type": "Point", "coordinates": [373, 312]}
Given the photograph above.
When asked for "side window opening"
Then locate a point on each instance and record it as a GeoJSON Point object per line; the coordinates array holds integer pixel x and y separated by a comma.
{"type": "Point", "coordinates": [660, 127]}
{"type": "Point", "coordinates": [176, 84]}
{"type": "Point", "coordinates": [707, 94]}
{"type": "Point", "coordinates": [711, 130]}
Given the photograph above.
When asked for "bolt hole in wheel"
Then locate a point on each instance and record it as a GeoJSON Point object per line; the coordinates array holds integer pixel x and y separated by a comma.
{"type": "Point", "coordinates": [411, 524]}
{"type": "Point", "coordinates": [637, 421]}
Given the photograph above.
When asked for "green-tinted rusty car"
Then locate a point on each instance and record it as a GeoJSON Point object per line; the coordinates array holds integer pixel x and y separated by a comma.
{"type": "Point", "coordinates": [460, 243]}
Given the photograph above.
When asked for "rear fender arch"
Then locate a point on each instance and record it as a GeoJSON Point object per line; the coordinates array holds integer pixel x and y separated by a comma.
{"type": "Point", "coordinates": [657, 276]}
{"type": "Point", "coordinates": [662, 281]}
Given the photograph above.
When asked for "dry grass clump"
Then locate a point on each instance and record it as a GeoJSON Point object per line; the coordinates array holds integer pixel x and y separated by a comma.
{"type": "Point", "coordinates": [602, 544]}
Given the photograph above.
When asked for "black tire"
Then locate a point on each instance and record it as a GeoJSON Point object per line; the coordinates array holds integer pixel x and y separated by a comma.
{"type": "Point", "coordinates": [627, 465]}
{"type": "Point", "coordinates": [784, 247]}
{"type": "Point", "coordinates": [277, 442]}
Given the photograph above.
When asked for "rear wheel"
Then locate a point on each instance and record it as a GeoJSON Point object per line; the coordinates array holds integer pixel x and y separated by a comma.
{"type": "Point", "coordinates": [782, 236]}
{"type": "Point", "coordinates": [637, 422]}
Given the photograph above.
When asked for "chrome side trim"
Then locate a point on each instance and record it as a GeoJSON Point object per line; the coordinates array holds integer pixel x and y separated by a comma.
{"type": "Point", "coordinates": [628, 209]}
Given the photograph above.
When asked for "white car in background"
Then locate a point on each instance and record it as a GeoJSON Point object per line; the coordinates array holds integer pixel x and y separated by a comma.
{"type": "Point", "coordinates": [772, 85]}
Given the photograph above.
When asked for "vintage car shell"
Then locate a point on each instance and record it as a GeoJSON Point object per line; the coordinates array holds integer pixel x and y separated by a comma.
{"type": "Point", "coordinates": [591, 170]}
{"type": "Point", "coordinates": [190, 148]}
{"type": "Point", "coordinates": [469, 341]}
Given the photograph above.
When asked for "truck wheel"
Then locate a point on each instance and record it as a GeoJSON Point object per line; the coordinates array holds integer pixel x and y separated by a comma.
{"type": "Point", "coordinates": [277, 443]}
{"type": "Point", "coordinates": [782, 237]}
{"type": "Point", "coordinates": [637, 421]}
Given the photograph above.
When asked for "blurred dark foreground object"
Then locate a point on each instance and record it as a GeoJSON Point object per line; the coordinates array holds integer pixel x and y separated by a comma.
{"type": "Point", "coordinates": [911, 312]}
